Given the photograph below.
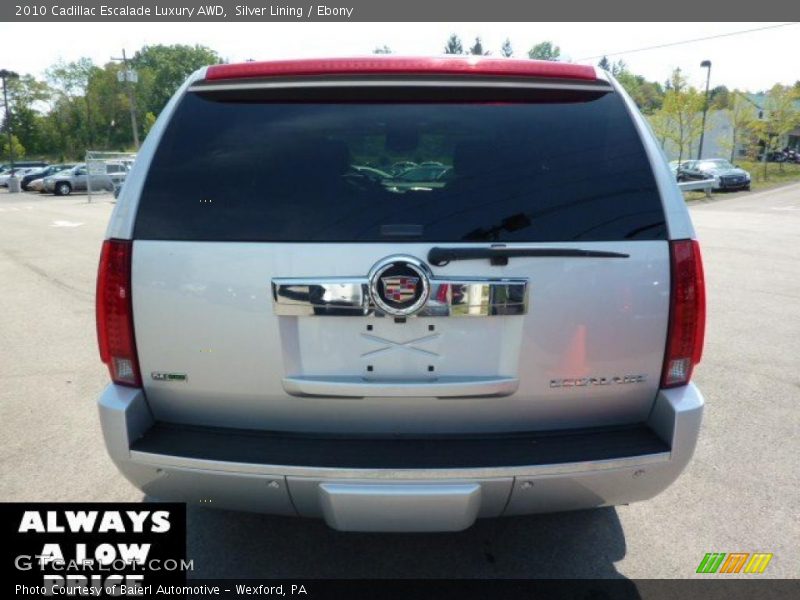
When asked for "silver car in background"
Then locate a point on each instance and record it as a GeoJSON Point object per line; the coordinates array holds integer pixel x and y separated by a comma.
{"type": "Point", "coordinates": [77, 179]}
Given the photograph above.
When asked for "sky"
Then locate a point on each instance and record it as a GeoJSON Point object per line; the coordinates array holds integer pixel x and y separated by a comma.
{"type": "Point", "coordinates": [752, 61]}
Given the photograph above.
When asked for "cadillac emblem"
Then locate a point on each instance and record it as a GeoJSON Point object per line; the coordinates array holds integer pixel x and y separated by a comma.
{"type": "Point", "coordinates": [399, 289]}
{"type": "Point", "coordinates": [399, 285]}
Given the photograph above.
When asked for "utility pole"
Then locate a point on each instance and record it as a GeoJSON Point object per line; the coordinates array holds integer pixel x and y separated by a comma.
{"type": "Point", "coordinates": [5, 75]}
{"type": "Point", "coordinates": [129, 77]}
{"type": "Point", "coordinates": [707, 65]}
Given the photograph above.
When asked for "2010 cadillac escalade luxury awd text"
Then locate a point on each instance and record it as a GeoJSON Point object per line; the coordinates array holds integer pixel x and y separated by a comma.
{"type": "Point", "coordinates": [400, 295]}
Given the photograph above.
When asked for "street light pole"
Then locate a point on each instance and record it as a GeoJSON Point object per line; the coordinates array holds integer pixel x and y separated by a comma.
{"type": "Point", "coordinates": [131, 98]}
{"type": "Point", "coordinates": [705, 64]}
{"type": "Point", "coordinates": [5, 75]}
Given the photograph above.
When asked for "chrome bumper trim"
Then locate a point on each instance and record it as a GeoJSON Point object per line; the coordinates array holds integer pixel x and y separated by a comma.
{"type": "Point", "coordinates": [437, 387]}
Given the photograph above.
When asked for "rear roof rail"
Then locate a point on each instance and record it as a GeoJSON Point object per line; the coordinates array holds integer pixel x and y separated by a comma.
{"type": "Point", "coordinates": [396, 65]}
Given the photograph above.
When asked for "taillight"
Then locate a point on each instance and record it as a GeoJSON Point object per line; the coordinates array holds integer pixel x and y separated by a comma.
{"type": "Point", "coordinates": [114, 311]}
{"type": "Point", "coordinates": [687, 316]}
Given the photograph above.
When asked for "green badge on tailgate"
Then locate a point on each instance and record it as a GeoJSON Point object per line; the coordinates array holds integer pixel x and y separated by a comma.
{"type": "Point", "coordinates": [161, 376]}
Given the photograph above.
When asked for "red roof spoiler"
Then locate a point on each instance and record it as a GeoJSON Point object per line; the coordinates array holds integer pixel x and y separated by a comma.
{"type": "Point", "coordinates": [395, 65]}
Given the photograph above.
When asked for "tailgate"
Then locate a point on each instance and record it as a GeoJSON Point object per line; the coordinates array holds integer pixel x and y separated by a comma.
{"type": "Point", "coordinates": [587, 351]}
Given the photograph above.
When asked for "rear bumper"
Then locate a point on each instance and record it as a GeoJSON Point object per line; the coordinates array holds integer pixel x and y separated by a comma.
{"type": "Point", "coordinates": [401, 484]}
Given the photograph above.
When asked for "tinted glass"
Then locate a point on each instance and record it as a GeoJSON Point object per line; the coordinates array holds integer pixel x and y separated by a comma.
{"type": "Point", "coordinates": [440, 172]}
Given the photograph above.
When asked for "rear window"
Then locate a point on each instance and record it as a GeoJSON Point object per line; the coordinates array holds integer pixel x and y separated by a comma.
{"type": "Point", "coordinates": [554, 169]}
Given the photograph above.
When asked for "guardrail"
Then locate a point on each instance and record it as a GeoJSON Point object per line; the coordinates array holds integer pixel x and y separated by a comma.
{"type": "Point", "coordinates": [703, 184]}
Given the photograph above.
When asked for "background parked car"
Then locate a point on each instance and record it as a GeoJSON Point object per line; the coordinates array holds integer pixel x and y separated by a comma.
{"type": "Point", "coordinates": [401, 166]}
{"type": "Point", "coordinates": [679, 168]}
{"type": "Point", "coordinates": [117, 171]}
{"type": "Point", "coordinates": [37, 185]}
{"type": "Point", "coordinates": [787, 155]}
{"type": "Point", "coordinates": [18, 171]}
{"type": "Point", "coordinates": [76, 179]}
{"type": "Point", "coordinates": [726, 176]}
{"type": "Point", "coordinates": [23, 164]}
{"type": "Point", "coordinates": [41, 173]}
{"type": "Point", "coordinates": [430, 177]}
{"type": "Point", "coordinates": [371, 173]}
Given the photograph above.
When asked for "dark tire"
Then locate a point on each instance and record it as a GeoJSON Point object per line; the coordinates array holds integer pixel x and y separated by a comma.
{"type": "Point", "coordinates": [747, 188]}
{"type": "Point", "coordinates": [63, 189]}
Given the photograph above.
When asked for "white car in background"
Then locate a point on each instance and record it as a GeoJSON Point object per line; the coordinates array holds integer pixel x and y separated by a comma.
{"type": "Point", "coordinates": [19, 172]}
{"type": "Point", "coordinates": [37, 185]}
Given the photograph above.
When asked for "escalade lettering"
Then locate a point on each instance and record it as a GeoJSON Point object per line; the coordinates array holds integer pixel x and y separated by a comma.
{"type": "Point", "coordinates": [590, 381]}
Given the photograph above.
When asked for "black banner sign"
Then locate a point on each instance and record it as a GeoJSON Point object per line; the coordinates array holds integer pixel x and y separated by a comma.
{"type": "Point", "coordinates": [93, 549]}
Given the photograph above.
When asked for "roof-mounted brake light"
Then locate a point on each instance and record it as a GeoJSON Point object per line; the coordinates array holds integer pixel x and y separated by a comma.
{"type": "Point", "coordinates": [394, 65]}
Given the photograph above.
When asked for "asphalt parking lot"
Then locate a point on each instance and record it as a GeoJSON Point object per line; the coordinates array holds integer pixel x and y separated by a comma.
{"type": "Point", "coordinates": [739, 494]}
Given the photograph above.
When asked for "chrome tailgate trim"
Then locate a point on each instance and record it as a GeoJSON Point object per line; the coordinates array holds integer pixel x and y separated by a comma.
{"type": "Point", "coordinates": [350, 296]}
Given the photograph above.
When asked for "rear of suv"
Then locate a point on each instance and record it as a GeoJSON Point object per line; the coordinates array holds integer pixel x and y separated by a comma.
{"type": "Point", "coordinates": [304, 336]}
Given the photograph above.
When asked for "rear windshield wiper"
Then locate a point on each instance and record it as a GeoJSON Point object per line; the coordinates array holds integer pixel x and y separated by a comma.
{"type": "Point", "coordinates": [499, 255]}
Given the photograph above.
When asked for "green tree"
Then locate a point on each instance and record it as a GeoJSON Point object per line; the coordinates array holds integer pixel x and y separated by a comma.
{"type": "Point", "coordinates": [682, 109]}
{"type": "Point", "coordinates": [660, 124]}
{"type": "Point", "coordinates": [27, 99]}
{"type": "Point", "coordinates": [454, 45]}
{"type": "Point", "coordinates": [169, 67]}
{"type": "Point", "coordinates": [19, 149]}
{"type": "Point", "coordinates": [780, 117]}
{"type": "Point", "coordinates": [111, 102]}
{"type": "Point", "coordinates": [71, 82]}
{"type": "Point", "coordinates": [741, 116]}
{"type": "Point", "coordinates": [108, 125]}
{"type": "Point", "coordinates": [648, 95]}
{"type": "Point", "coordinates": [719, 97]}
{"type": "Point", "coordinates": [545, 51]}
{"type": "Point", "coordinates": [619, 67]}
{"type": "Point", "coordinates": [149, 121]}
{"type": "Point", "coordinates": [506, 50]}
{"type": "Point", "coordinates": [477, 48]}
{"type": "Point", "coordinates": [80, 105]}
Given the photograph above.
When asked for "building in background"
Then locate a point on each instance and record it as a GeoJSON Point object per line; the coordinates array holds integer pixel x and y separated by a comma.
{"type": "Point", "coordinates": [719, 134]}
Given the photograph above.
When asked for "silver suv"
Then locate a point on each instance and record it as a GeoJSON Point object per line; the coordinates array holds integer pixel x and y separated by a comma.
{"type": "Point", "coordinates": [300, 337]}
